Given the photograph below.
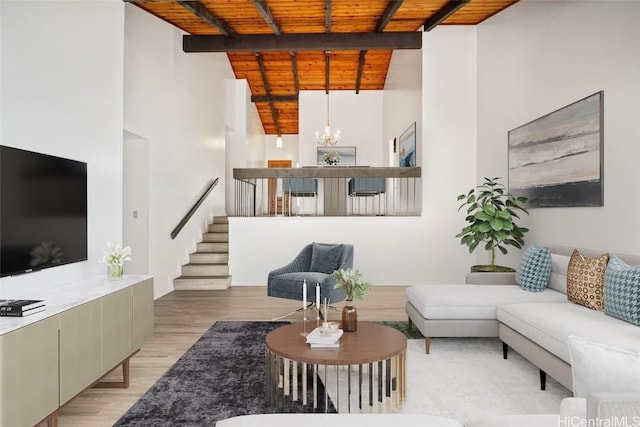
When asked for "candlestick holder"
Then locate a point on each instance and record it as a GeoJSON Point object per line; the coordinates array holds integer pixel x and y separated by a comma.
{"type": "Point", "coordinates": [304, 332]}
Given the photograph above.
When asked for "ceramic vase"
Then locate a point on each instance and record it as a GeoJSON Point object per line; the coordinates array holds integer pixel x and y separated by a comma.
{"type": "Point", "coordinates": [349, 318]}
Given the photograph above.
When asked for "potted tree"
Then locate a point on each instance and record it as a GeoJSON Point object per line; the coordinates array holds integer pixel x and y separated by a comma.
{"type": "Point", "coordinates": [352, 283]}
{"type": "Point", "coordinates": [491, 213]}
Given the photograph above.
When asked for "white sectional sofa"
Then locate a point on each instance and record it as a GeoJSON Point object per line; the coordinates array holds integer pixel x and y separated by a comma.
{"type": "Point", "coordinates": [607, 409]}
{"type": "Point", "coordinates": [338, 420]}
{"type": "Point", "coordinates": [535, 324]}
{"type": "Point", "coordinates": [598, 409]}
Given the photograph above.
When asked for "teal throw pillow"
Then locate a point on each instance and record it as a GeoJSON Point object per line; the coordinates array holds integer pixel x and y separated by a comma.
{"type": "Point", "coordinates": [325, 258]}
{"type": "Point", "coordinates": [534, 270]}
{"type": "Point", "coordinates": [622, 290]}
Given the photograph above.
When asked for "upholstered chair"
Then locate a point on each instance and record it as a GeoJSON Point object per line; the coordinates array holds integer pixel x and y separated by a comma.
{"type": "Point", "coordinates": [315, 263]}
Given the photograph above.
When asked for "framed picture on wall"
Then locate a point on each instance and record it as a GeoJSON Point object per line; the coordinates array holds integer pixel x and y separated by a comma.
{"type": "Point", "coordinates": [407, 147]}
{"type": "Point", "coordinates": [556, 160]}
{"type": "Point", "coordinates": [336, 156]}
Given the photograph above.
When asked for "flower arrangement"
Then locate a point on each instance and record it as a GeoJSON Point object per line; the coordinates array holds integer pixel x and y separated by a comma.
{"type": "Point", "coordinates": [350, 280]}
{"type": "Point", "coordinates": [115, 255]}
{"type": "Point", "coordinates": [331, 158]}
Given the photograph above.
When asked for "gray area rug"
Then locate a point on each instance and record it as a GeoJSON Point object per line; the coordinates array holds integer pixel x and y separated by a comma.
{"type": "Point", "coordinates": [222, 375]}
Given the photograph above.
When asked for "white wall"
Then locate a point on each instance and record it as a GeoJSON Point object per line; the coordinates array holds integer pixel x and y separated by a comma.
{"type": "Point", "coordinates": [449, 90]}
{"type": "Point", "coordinates": [289, 150]}
{"type": "Point", "coordinates": [390, 250]}
{"type": "Point", "coordinates": [245, 139]}
{"type": "Point", "coordinates": [135, 200]}
{"type": "Point", "coordinates": [61, 86]}
{"type": "Point", "coordinates": [255, 133]}
{"type": "Point", "coordinates": [536, 57]}
{"type": "Point", "coordinates": [359, 118]}
{"type": "Point", "coordinates": [176, 101]}
{"type": "Point", "coordinates": [402, 99]}
{"type": "Point", "coordinates": [236, 91]}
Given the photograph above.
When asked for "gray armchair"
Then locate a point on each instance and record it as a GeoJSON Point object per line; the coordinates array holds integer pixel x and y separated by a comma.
{"type": "Point", "coordinates": [315, 264]}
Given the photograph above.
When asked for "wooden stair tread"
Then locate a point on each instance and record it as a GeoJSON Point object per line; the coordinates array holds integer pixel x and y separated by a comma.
{"type": "Point", "coordinates": [213, 247]}
{"type": "Point", "coordinates": [204, 264]}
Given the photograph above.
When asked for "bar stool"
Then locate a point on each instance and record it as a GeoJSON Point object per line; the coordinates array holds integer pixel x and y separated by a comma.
{"type": "Point", "coordinates": [301, 187]}
{"type": "Point", "coordinates": [367, 187]}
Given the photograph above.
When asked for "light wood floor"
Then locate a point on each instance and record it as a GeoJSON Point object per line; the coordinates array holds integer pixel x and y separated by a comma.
{"type": "Point", "coordinates": [181, 317]}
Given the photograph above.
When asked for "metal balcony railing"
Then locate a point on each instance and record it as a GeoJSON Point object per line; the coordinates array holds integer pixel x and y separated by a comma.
{"type": "Point", "coordinates": [328, 191]}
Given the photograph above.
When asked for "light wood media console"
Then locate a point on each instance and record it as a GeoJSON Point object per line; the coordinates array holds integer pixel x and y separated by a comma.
{"type": "Point", "coordinates": [88, 329]}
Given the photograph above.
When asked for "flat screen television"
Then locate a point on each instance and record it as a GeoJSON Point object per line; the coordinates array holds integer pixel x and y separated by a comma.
{"type": "Point", "coordinates": [43, 211]}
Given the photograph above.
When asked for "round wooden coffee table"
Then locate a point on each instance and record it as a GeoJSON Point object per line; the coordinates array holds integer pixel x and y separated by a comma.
{"type": "Point", "coordinates": [367, 373]}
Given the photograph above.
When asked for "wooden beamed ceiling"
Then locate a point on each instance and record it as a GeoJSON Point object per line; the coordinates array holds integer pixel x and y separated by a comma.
{"type": "Point", "coordinates": [280, 46]}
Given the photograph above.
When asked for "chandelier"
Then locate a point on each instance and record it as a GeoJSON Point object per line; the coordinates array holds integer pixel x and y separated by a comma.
{"type": "Point", "coordinates": [326, 138]}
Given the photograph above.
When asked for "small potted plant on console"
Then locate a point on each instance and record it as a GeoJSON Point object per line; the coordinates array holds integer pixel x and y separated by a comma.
{"type": "Point", "coordinates": [352, 283]}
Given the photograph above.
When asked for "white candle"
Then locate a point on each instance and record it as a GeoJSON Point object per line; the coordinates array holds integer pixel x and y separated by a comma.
{"type": "Point", "coordinates": [304, 294]}
{"type": "Point", "coordinates": [318, 296]}
{"type": "Point", "coordinates": [326, 319]}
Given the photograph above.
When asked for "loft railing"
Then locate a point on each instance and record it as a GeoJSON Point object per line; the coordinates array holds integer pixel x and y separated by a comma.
{"type": "Point", "coordinates": [245, 190]}
{"type": "Point", "coordinates": [328, 191]}
{"type": "Point", "coordinates": [212, 183]}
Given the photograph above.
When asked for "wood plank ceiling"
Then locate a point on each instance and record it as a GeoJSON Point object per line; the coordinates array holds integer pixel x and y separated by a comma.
{"type": "Point", "coordinates": [275, 76]}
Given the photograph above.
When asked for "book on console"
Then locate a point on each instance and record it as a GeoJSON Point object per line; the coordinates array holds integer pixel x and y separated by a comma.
{"type": "Point", "coordinates": [318, 336]}
{"type": "Point", "coordinates": [327, 345]}
{"type": "Point", "coordinates": [21, 307]}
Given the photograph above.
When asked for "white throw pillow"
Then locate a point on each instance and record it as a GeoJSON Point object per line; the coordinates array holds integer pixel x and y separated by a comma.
{"type": "Point", "coordinates": [602, 368]}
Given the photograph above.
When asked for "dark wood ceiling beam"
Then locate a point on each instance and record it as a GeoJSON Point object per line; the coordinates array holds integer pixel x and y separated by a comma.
{"type": "Point", "coordinates": [327, 68]}
{"type": "Point", "coordinates": [294, 69]}
{"type": "Point", "coordinates": [267, 89]}
{"type": "Point", "coordinates": [274, 98]}
{"type": "Point", "coordinates": [207, 16]}
{"type": "Point", "coordinates": [302, 42]}
{"type": "Point", "coordinates": [327, 16]}
{"type": "Point", "coordinates": [449, 8]}
{"type": "Point", "coordinates": [360, 70]}
{"type": "Point", "coordinates": [387, 15]}
{"type": "Point", "coordinates": [266, 13]}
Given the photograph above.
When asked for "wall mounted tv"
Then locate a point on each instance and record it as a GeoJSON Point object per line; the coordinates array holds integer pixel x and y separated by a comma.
{"type": "Point", "coordinates": [43, 211]}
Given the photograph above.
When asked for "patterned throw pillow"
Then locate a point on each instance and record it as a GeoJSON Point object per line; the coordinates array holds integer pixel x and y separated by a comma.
{"type": "Point", "coordinates": [622, 291]}
{"type": "Point", "coordinates": [585, 280]}
{"type": "Point", "coordinates": [535, 269]}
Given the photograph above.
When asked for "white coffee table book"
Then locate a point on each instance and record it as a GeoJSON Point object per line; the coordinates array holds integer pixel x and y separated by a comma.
{"type": "Point", "coordinates": [327, 335]}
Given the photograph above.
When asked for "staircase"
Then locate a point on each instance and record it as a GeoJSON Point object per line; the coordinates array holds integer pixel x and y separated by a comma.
{"type": "Point", "coordinates": [208, 267]}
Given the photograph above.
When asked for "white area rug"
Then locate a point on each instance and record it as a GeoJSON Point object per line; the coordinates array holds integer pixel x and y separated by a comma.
{"type": "Point", "coordinates": [467, 378]}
